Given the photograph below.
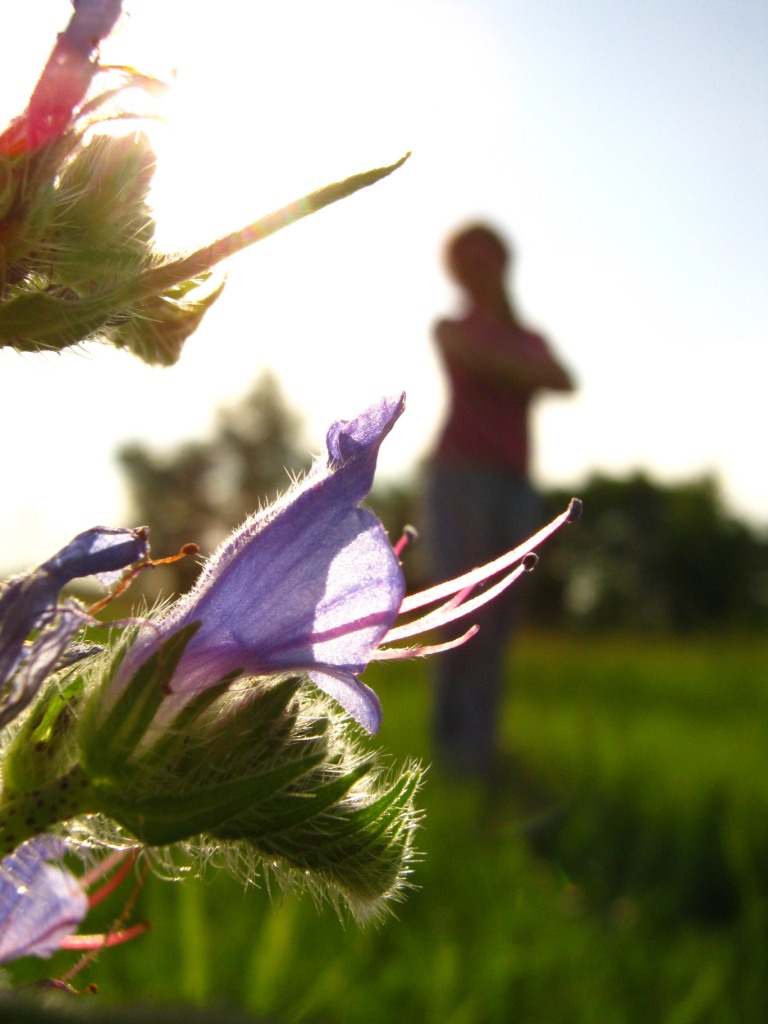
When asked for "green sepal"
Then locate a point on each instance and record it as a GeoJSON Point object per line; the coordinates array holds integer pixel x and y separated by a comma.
{"type": "Point", "coordinates": [359, 852]}
{"type": "Point", "coordinates": [160, 324]}
{"type": "Point", "coordinates": [104, 226]}
{"type": "Point", "coordinates": [379, 815]}
{"type": "Point", "coordinates": [287, 810]}
{"type": "Point", "coordinates": [33, 320]}
{"type": "Point", "coordinates": [108, 745]}
{"type": "Point", "coordinates": [248, 745]}
{"type": "Point", "coordinates": [169, 818]}
{"type": "Point", "coordinates": [263, 722]}
{"type": "Point", "coordinates": [170, 745]}
{"type": "Point", "coordinates": [45, 745]}
{"type": "Point", "coordinates": [220, 755]}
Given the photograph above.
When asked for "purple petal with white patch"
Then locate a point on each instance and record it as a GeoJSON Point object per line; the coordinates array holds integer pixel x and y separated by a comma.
{"type": "Point", "coordinates": [311, 585]}
{"type": "Point", "coordinates": [40, 903]}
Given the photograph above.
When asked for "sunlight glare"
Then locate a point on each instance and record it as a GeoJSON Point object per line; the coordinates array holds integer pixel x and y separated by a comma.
{"type": "Point", "coordinates": [278, 134]}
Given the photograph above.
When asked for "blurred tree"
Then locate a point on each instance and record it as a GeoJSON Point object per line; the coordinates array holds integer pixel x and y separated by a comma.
{"type": "Point", "coordinates": [648, 556]}
{"type": "Point", "coordinates": [203, 489]}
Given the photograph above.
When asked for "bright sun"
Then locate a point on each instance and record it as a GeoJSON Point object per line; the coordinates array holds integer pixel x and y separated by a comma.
{"type": "Point", "coordinates": [263, 109]}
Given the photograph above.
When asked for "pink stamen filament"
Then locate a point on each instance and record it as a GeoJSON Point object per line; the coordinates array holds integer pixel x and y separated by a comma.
{"type": "Point", "coordinates": [484, 572]}
{"type": "Point", "coordinates": [88, 942]}
{"type": "Point", "coordinates": [450, 611]}
{"type": "Point", "coordinates": [393, 653]}
{"type": "Point", "coordinates": [125, 858]}
{"type": "Point", "coordinates": [91, 945]}
{"type": "Point", "coordinates": [409, 534]}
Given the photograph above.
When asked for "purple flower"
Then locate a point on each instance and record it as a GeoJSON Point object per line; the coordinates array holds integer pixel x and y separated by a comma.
{"type": "Point", "coordinates": [30, 602]}
{"type": "Point", "coordinates": [40, 902]}
{"type": "Point", "coordinates": [313, 585]}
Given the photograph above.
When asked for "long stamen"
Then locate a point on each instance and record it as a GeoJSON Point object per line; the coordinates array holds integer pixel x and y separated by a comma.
{"type": "Point", "coordinates": [410, 533]}
{"type": "Point", "coordinates": [395, 653]}
{"type": "Point", "coordinates": [475, 576]}
{"type": "Point", "coordinates": [97, 942]}
{"type": "Point", "coordinates": [131, 574]}
{"type": "Point", "coordinates": [458, 590]}
{"type": "Point", "coordinates": [125, 859]}
{"type": "Point", "coordinates": [450, 611]}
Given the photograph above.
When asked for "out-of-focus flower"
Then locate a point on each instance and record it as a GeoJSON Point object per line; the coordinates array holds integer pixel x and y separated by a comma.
{"type": "Point", "coordinates": [77, 251]}
{"type": "Point", "coordinates": [65, 79]}
{"type": "Point", "coordinates": [29, 602]}
{"type": "Point", "coordinates": [41, 903]}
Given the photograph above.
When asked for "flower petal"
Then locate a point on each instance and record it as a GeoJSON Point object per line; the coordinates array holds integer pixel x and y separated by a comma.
{"type": "Point", "coordinates": [44, 655]}
{"type": "Point", "coordinates": [357, 699]}
{"type": "Point", "coordinates": [40, 903]}
{"type": "Point", "coordinates": [101, 552]}
{"type": "Point", "coordinates": [311, 584]}
{"type": "Point", "coordinates": [29, 602]}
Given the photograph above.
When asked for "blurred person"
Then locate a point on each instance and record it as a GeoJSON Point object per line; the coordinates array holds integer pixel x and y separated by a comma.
{"type": "Point", "coordinates": [480, 502]}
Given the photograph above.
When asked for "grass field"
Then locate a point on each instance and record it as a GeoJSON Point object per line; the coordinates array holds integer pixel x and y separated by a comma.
{"type": "Point", "coordinates": [621, 876]}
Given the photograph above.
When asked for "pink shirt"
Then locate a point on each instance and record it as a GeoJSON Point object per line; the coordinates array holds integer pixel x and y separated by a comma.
{"type": "Point", "coordinates": [486, 427]}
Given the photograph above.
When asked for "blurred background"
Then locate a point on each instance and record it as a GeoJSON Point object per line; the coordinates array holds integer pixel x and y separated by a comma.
{"type": "Point", "coordinates": [623, 148]}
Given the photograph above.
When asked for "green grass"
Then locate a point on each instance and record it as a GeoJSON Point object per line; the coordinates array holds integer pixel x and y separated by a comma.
{"type": "Point", "coordinates": [622, 877]}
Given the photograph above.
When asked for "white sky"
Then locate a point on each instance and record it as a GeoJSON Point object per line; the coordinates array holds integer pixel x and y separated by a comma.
{"type": "Point", "coordinates": [623, 146]}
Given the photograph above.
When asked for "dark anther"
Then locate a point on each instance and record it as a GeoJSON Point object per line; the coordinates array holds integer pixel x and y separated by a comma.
{"type": "Point", "coordinates": [575, 507]}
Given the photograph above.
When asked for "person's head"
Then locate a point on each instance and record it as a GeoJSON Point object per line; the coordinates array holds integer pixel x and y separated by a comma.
{"type": "Point", "coordinates": [477, 258]}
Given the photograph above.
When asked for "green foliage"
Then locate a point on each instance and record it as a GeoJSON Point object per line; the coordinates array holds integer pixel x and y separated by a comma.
{"type": "Point", "coordinates": [105, 221]}
{"type": "Point", "coordinates": [651, 557]}
{"type": "Point", "coordinates": [266, 773]}
{"type": "Point", "coordinates": [619, 876]}
{"type": "Point", "coordinates": [44, 746]}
